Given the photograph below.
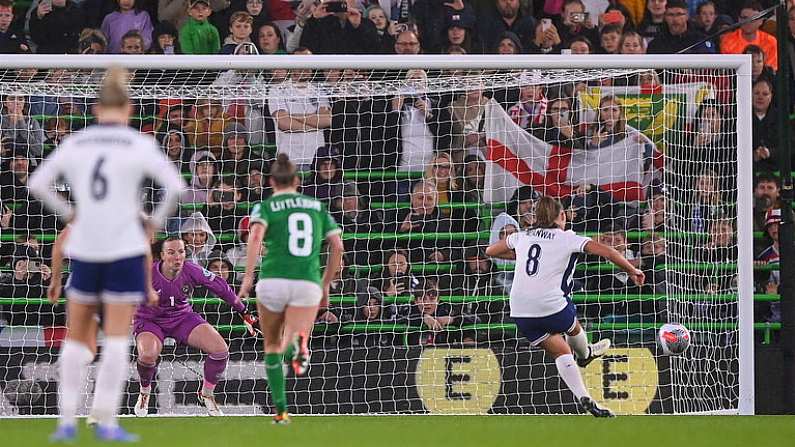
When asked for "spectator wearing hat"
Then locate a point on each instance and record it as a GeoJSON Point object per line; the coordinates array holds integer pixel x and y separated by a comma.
{"type": "Point", "coordinates": [736, 41]}
{"type": "Point", "coordinates": [508, 43]}
{"type": "Point", "coordinates": [345, 32]}
{"type": "Point", "coordinates": [301, 114]}
{"type": "Point", "coordinates": [506, 16]}
{"type": "Point", "coordinates": [14, 178]}
{"type": "Point", "coordinates": [478, 282]}
{"type": "Point", "coordinates": [236, 154]}
{"type": "Point", "coordinates": [165, 39]}
{"type": "Point", "coordinates": [428, 314]}
{"type": "Point", "coordinates": [460, 31]}
{"type": "Point", "coordinates": [354, 215]}
{"type": "Point", "coordinates": [55, 26]}
{"type": "Point", "coordinates": [237, 253]}
{"type": "Point", "coordinates": [127, 17]}
{"type": "Point", "coordinates": [325, 176]}
{"type": "Point", "coordinates": [768, 282]}
{"type": "Point", "coordinates": [240, 29]}
{"type": "Point", "coordinates": [256, 186]}
{"type": "Point", "coordinates": [12, 40]}
{"type": "Point", "coordinates": [678, 34]}
{"type": "Point", "coordinates": [198, 35]}
{"type": "Point", "coordinates": [222, 204]}
{"type": "Point", "coordinates": [17, 124]}
{"type": "Point", "coordinates": [204, 171]}
{"type": "Point", "coordinates": [199, 238]}
{"type": "Point", "coordinates": [176, 11]}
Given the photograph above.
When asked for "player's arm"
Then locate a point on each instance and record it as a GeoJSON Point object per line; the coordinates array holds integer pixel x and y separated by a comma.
{"type": "Point", "coordinates": [333, 262]}
{"type": "Point", "coordinates": [612, 255]}
{"type": "Point", "coordinates": [253, 249]}
{"type": "Point", "coordinates": [500, 249]}
{"type": "Point", "coordinates": [152, 298]}
{"type": "Point", "coordinates": [221, 289]}
{"type": "Point", "coordinates": [41, 182]}
{"type": "Point", "coordinates": [54, 291]}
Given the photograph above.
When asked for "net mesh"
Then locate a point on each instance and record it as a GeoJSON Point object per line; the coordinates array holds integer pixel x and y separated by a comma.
{"type": "Point", "coordinates": [422, 170]}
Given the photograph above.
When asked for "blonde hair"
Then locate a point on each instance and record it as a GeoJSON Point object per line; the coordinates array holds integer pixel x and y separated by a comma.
{"type": "Point", "coordinates": [113, 93]}
{"type": "Point", "coordinates": [452, 178]}
{"type": "Point", "coordinates": [547, 211]}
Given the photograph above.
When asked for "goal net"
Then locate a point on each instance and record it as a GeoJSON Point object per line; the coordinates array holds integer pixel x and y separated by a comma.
{"type": "Point", "coordinates": [423, 162]}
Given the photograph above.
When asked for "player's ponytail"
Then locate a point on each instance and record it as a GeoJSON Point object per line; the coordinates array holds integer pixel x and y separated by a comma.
{"type": "Point", "coordinates": [547, 211]}
{"type": "Point", "coordinates": [283, 171]}
{"type": "Point", "coordinates": [113, 93]}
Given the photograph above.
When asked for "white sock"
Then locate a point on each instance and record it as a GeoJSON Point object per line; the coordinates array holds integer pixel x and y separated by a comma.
{"type": "Point", "coordinates": [113, 370]}
{"type": "Point", "coordinates": [72, 368]}
{"type": "Point", "coordinates": [579, 344]}
{"type": "Point", "coordinates": [570, 373]}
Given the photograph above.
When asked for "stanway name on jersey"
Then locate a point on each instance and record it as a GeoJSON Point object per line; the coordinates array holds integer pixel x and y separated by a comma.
{"type": "Point", "coordinates": [295, 202]}
{"type": "Point", "coordinates": [543, 234]}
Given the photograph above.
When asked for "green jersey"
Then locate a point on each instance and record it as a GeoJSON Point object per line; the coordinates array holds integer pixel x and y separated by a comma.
{"type": "Point", "coordinates": [296, 226]}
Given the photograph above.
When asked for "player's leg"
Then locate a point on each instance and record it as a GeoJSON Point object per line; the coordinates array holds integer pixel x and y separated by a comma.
{"type": "Point", "coordinates": [123, 285]}
{"type": "Point", "coordinates": [148, 344]}
{"type": "Point", "coordinates": [299, 318]}
{"type": "Point", "coordinates": [271, 323]}
{"type": "Point", "coordinates": [112, 371]}
{"type": "Point", "coordinates": [205, 338]}
{"type": "Point", "coordinates": [585, 352]}
{"type": "Point", "coordinates": [76, 354]}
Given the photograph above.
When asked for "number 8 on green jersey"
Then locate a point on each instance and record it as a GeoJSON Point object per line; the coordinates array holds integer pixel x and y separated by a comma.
{"type": "Point", "coordinates": [296, 227]}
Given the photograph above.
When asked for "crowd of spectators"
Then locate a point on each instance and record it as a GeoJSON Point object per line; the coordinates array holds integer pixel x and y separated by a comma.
{"type": "Point", "coordinates": [435, 143]}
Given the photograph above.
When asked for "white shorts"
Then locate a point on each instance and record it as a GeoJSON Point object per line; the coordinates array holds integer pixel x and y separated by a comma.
{"type": "Point", "coordinates": [276, 293]}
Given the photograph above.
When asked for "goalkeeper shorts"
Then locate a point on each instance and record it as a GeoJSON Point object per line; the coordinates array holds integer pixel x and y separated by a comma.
{"type": "Point", "coordinates": [277, 293]}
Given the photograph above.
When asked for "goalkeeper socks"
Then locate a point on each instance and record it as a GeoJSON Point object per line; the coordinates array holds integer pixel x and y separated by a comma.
{"type": "Point", "coordinates": [146, 372]}
{"type": "Point", "coordinates": [110, 380]}
{"type": "Point", "coordinates": [214, 366]}
{"type": "Point", "coordinates": [72, 367]}
{"type": "Point", "coordinates": [273, 368]}
{"type": "Point", "coordinates": [570, 373]}
{"type": "Point", "coordinates": [579, 344]}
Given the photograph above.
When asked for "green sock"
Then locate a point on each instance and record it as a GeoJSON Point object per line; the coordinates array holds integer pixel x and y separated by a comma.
{"type": "Point", "coordinates": [289, 352]}
{"type": "Point", "coordinates": [273, 369]}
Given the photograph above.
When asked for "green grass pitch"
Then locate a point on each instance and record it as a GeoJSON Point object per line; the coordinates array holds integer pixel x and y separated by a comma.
{"type": "Point", "coordinates": [433, 431]}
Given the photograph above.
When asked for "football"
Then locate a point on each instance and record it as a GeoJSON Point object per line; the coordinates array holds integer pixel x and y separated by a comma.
{"type": "Point", "coordinates": [673, 338]}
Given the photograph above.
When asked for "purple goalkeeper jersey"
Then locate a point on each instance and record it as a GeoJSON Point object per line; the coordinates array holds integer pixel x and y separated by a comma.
{"type": "Point", "coordinates": [174, 294]}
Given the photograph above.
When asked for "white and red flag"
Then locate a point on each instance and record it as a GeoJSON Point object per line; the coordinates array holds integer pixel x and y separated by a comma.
{"type": "Point", "coordinates": [515, 158]}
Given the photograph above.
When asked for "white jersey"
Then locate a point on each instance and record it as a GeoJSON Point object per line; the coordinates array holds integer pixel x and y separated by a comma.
{"type": "Point", "coordinates": [105, 166]}
{"type": "Point", "coordinates": [545, 261]}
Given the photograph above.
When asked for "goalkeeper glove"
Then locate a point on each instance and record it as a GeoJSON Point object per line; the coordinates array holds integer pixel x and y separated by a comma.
{"type": "Point", "coordinates": [251, 322]}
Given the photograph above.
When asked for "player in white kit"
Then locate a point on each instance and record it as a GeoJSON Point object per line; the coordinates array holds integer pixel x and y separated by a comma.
{"type": "Point", "coordinates": [105, 165]}
{"type": "Point", "coordinates": [540, 297]}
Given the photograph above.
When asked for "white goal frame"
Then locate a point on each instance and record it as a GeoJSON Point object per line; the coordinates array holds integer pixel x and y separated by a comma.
{"type": "Point", "coordinates": [740, 64]}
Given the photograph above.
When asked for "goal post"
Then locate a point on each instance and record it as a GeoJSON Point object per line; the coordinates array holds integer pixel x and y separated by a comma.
{"type": "Point", "coordinates": [388, 154]}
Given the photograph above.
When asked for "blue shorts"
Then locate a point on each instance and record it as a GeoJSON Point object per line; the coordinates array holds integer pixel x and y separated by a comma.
{"type": "Point", "coordinates": [538, 329]}
{"type": "Point", "coordinates": [116, 282]}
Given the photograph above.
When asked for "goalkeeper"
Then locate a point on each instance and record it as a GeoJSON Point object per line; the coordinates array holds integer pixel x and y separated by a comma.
{"type": "Point", "coordinates": [173, 279]}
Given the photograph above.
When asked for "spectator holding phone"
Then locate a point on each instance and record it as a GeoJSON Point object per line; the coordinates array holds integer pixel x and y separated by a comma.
{"type": "Point", "coordinates": [395, 279]}
{"type": "Point", "coordinates": [546, 40]}
{"type": "Point", "coordinates": [221, 206]}
{"type": "Point", "coordinates": [338, 27]}
{"type": "Point", "coordinates": [30, 276]}
{"type": "Point", "coordinates": [575, 22]}
{"type": "Point", "coordinates": [55, 26]}
{"type": "Point", "coordinates": [92, 41]}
